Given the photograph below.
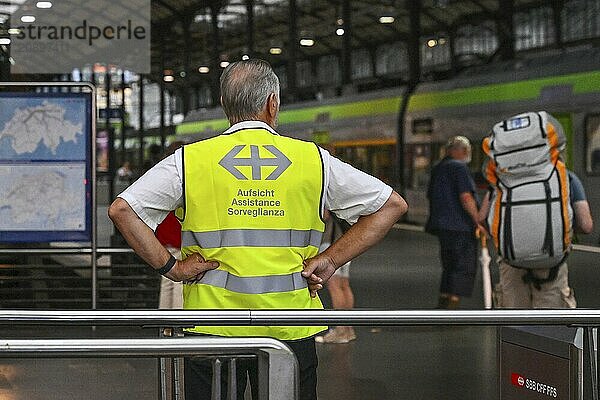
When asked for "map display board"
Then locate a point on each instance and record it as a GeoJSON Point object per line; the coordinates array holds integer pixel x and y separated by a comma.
{"type": "Point", "coordinates": [45, 167]}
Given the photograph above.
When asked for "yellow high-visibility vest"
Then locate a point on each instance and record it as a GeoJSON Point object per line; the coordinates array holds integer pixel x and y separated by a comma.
{"type": "Point", "coordinates": [252, 203]}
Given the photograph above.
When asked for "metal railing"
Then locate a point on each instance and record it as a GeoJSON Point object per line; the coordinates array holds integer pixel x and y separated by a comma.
{"type": "Point", "coordinates": [64, 278]}
{"type": "Point", "coordinates": [189, 318]}
{"type": "Point", "coordinates": [276, 384]}
{"type": "Point", "coordinates": [277, 365]}
{"type": "Point", "coordinates": [94, 252]}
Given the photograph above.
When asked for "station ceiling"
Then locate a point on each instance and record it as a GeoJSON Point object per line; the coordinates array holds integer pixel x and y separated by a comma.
{"type": "Point", "coordinates": [183, 30]}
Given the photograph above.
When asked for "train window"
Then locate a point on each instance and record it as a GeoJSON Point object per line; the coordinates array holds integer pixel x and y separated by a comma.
{"type": "Point", "coordinates": [533, 28]}
{"type": "Point", "coordinates": [304, 74]}
{"type": "Point", "coordinates": [420, 166]}
{"type": "Point", "coordinates": [328, 70]}
{"type": "Point", "coordinates": [592, 151]}
{"type": "Point", "coordinates": [361, 64]}
{"type": "Point", "coordinates": [377, 159]}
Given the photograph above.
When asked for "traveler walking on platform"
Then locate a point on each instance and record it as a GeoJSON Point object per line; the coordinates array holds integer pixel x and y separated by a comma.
{"type": "Point", "coordinates": [533, 205]}
{"type": "Point", "coordinates": [253, 203]}
{"type": "Point", "coordinates": [338, 285]}
{"type": "Point", "coordinates": [453, 218]}
{"type": "Point", "coordinates": [124, 173]}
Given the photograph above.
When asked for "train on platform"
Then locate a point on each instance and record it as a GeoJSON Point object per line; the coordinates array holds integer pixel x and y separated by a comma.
{"type": "Point", "coordinates": [362, 129]}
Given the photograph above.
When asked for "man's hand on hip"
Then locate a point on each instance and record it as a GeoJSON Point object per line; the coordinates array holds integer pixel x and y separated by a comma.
{"type": "Point", "coordinates": [191, 269]}
{"type": "Point", "coordinates": [317, 271]}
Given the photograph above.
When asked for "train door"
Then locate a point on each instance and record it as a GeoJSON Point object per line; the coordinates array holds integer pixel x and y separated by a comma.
{"type": "Point", "coordinates": [373, 156]}
{"type": "Point", "coordinates": [589, 173]}
{"type": "Point", "coordinates": [419, 158]}
{"type": "Point", "coordinates": [592, 150]}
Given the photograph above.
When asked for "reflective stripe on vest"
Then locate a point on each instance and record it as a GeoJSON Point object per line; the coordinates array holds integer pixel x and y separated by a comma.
{"type": "Point", "coordinates": [254, 284]}
{"type": "Point", "coordinates": [252, 238]}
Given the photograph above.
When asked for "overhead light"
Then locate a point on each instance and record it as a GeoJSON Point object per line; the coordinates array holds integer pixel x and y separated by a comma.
{"type": "Point", "coordinates": [14, 31]}
{"type": "Point", "coordinates": [201, 18]}
{"type": "Point", "coordinates": [340, 21]}
{"type": "Point", "coordinates": [432, 42]}
{"type": "Point", "coordinates": [224, 64]}
{"type": "Point", "coordinates": [275, 50]}
{"type": "Point", "coordinates": [182, 74]}
{"type": "Point", "coordinates": [245, 57]}
{"type": "Point", "coordinates": [306, 38]}
{"type": "Point", "coordinates": [204, 69]}
{"type": "Point", "coordinates": [339, 31]}
{"type": "Point", "coordinates": [386, 19]}
{"type": "Point", "coordinates": [168, 78]}
{"type": "Point", "coordinates": [27, 19]}
{"type": "Point", "coordinates": [43, 4]}
{"type": "Point", "coordinates": [5, 41]}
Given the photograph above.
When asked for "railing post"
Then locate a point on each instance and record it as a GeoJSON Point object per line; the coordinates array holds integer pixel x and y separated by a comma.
{"type": "Point", "coordinates": [216, 379]}
{"type": "Point", "coordinates": [232, 381]}
{"type": "Point", "coordinates": [591, 342]}
{"type": "Point", "coordinates": [171, 380]}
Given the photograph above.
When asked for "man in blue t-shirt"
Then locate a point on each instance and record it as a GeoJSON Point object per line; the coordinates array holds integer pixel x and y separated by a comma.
{"type": "Point", "coordinates": [453, 217]}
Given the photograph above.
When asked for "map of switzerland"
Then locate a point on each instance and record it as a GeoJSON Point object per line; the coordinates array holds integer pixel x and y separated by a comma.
{"type": "Point", "coordinates": [35, 129]}
{"type": "Point", "coordinates": [43, 163]}
{"type": "Point", "coordinates": [48, 197]}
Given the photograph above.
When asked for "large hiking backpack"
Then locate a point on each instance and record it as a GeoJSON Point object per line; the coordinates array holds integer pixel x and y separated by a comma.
{"type": "Point", "coordinates": [530, 214]}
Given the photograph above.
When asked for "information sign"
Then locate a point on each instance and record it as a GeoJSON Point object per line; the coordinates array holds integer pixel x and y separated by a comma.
{"type": "Point", "coordinates": [46, 145]}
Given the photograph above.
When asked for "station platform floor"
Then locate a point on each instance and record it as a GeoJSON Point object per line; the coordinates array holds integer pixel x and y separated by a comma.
{"type": "Point", "coordinates": [383, 363]}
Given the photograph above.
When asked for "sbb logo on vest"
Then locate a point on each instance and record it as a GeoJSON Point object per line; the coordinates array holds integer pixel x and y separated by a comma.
{"type": "Point", "coordinates": [230, 162]}
{"type": "Point", "coordinates": [520, 381]}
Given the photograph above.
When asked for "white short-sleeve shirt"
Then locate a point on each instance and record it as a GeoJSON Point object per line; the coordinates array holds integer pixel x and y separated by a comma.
{"type": "Point", "coordinates": [350, 193]}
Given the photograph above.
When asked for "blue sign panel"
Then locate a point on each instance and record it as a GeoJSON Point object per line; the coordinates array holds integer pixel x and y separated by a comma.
{"type": "Point", "coordinates": [45, 167]}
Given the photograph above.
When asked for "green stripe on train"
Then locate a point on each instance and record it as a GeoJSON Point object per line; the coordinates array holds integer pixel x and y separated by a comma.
{"type": "Point", "coordinates": [585, 82]}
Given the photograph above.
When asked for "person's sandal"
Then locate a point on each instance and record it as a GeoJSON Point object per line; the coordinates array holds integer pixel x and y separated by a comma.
{"type": "Point", "coordinates": [333, 336]}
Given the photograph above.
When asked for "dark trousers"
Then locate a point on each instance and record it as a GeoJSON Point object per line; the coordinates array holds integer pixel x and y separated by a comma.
{"type": "Point", "coordinates": [199, 372]}
{"type": "Point", "coordinates": [458, 251]}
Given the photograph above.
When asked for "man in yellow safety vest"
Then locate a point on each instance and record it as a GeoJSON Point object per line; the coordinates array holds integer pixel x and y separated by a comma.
{"type": "Point", "coordinates": [253, 204]}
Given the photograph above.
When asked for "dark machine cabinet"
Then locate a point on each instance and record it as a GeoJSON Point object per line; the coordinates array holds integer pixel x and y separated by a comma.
{"type": "Point", "coordinates": [546, 362]}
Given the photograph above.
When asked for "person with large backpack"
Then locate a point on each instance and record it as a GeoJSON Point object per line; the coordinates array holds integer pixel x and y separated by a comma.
{"type": "Point", "coordinates": [533, 205]}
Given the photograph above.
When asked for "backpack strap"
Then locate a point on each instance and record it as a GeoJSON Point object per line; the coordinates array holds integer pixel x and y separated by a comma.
{"type": "Point", "coordinates": [544, 133]}
{"type": "Point", "coordinates": [509, 251]}
{"type": "Point", "coordinates": [548, 245]}
{"type": "Point", "coordinates": [495, 228]}
{"type": "Point", "coordinates": [538, 282]}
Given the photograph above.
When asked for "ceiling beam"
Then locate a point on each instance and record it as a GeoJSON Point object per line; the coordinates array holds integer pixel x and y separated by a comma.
{"type": "Point", "coordinates": [169, 7]}
{"type": "Point", "coordinates": [430, 15]}
{"type": "Point", "coordinates": [487, 11]}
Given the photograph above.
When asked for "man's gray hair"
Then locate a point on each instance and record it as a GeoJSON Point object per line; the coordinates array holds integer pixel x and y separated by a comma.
{"type": "Point", "coordinates": [458, 142]}
{"type": "Point", "coordinates": [245, 87]}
